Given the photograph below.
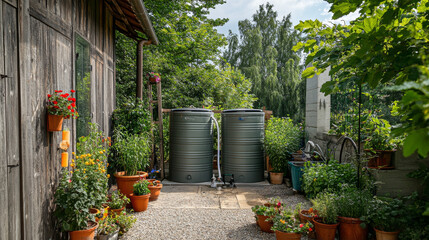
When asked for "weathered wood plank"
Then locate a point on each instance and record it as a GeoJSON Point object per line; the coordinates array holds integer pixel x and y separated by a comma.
{"type": "Point", "coordinates": [50, 19]}
{"type": "Point", "coordinates": [12, 121]}
{"type": "Point", "coordinates": [4, 226]}
{"type": "Point", "coordinates": [11, 2]}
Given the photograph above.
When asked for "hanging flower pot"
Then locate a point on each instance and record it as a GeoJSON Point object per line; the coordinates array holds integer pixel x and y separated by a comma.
{"type": "Point", "coordinates": [55, 123]}
{"type": "Point", "coordinates": [154, 77]}
{"type": "Point", "coordinates": [64, 159]}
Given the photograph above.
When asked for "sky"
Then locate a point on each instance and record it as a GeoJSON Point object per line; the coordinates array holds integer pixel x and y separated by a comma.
{"type": "Point", "coordinates": [236, 10]}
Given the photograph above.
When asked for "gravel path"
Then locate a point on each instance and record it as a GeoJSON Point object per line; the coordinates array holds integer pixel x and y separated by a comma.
{"type": "Point", "coordinates": [200, 212]}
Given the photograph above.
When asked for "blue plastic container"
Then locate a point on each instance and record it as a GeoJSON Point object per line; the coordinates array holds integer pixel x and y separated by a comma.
{"type": "Point", "coordinates": [296, 169]}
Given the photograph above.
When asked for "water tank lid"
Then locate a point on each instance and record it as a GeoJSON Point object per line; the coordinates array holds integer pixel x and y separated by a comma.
{"type": "Point", "coordinates": [242, 110]}
{"type": "Point", "coordinates": [191, 110]}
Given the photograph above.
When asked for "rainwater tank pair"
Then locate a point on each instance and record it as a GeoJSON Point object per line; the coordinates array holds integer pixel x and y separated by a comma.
{"type": "Point", "coordinates": [191, 145]}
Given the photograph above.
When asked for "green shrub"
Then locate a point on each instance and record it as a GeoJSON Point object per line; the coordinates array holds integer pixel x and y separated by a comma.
{"type": "Point", "coordinates": [133, 117]}
{"type": "Point", "coordinates": [326, 208]}
{"type": "Point", "coordinates": [352, 202]}
{"type": "Point", "coordinates": [282, 138]}
{"type": "Point", "coordinates": [141, 188]}
{"type": "Point", "coordinates": [319, 177]}
{"type": "Point", "coordinates": [387, 214]}
{"type": "Point", "coordinates": [132, 152]}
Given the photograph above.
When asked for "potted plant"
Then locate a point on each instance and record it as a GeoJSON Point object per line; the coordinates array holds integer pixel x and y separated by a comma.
{"type": "Point", "coordinates": [154, 77]}
{"type": "Point", "coordinates": [124, 221]}
{"type": "Point", "coordinates": [326, 220]}
{"type": "Point", "coordinates": [72, 206]}
{"type": "Point", "coordinates": [288, 227]}
{"type": "Point", "coordinates": [282, 138]}
{"type": "Point", "coordinates": [264, 216]}
{"type": "Point", "coordinates": [107, 229]}
{"type": "Point", "coordinates": [155, 187]}
{"type": "Point", "coordinates": [60, 105]}
{"type": "Point", "coordinates": [379, 144]}
{"type": "Point", "coordinates": [386, 215]}
{"type": "Point", "coordinates": [117, 203]}
{"type": "Point", "coordinates": [352, 207]}
{"type": "Point", "coordinates": [132, 155]}
{"type": "Point", "coordinates": [140, 196]}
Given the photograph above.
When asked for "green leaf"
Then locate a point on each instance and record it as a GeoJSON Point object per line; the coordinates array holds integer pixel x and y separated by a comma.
{"type": "Point", "coordinates": [417, 141]}
{"type": "Point", "coordinates": [309, 72]}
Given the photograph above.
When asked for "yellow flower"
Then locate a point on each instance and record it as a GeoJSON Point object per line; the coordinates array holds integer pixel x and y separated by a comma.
{"type": "Point", "coordinates": [282, 221]}
{"type": "Point", "coordinates": [73, 153]}
{"type": "Point", "coordinates": [314, 179]}
{"type": "Point", "coordinates": [101, 152]}
{"type": "Point", "coordinates": [72, 165]}
{"type": "Point", "coordinates": [89, 155]}
{"type": "Point", "coordinates": [72, 160]}
{"type": "Point", "coordinates": [108, 175]}
{"type": "Point", "coordinates": [71, 172]}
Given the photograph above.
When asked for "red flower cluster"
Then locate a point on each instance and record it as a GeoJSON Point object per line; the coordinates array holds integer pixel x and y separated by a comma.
{"type": "Point", "coordinates": [62, 104]}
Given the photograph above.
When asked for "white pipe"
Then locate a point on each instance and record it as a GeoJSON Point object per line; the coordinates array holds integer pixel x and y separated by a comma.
{"type": "Point", "coordinates": [218, 148]}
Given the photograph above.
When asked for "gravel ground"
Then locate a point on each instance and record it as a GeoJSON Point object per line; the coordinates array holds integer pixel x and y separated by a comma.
{"type": "Point", "coordinates": [196, 212]}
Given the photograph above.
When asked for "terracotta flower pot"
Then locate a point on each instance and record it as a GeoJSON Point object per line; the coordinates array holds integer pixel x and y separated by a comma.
{"type": "Point", "coordinates": [84, 234]}
{"type": "Point", "coordinates": [155, 191]}
{"type": "Point", "coordinates": [125, 183]}
{"type": "Point", "coordinates": [115, 212]}
{"type": "Point", "coordinates": [140, 203]}
{"type": "Point", "coordinates": [276, 178]}
{"type": "Point", "coordinates": [287, 236]}
{"type": "Point", "coordinates": [55, 123]}
{"type": "Point", "coordinates": [265, 226]}
{"type": "Point", "coordinates": [325, 231]}
{"type": "Point", "coordinates": [350, 229]}
{"type": "Point", "coordinates": [382, 235]}
{"type": "Point", "coordinates": [305, 216]}
{"type": "Point", "coordinates": [96, 213]}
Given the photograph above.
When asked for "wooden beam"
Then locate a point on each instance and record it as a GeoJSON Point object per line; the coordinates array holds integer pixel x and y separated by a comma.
{"type": "Point", "coordinates": [139, 89]}
{"type": "Point", "coordinates": [122, 16]}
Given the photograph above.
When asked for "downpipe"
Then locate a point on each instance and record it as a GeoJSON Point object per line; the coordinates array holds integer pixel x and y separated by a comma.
{"type": "Point", "coordinates": [219, 179]}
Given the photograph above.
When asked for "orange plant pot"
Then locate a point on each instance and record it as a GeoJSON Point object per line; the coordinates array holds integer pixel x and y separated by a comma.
{"type": "Point", "coordinates": [84, 234]}
{"type": "Point", "coordinates": [382, 235]}
{"type": "Point", "coordinates": [154, 191]}
{"type": "Point", "coordinates": [55, 123]}
{"type": "Point", "coordinates": [276, 178]}
{"type": "Point", "coordinates": [125, 183]}
{"type": "Point", "coordinates": [350, 229]}
{"type": "Point", "coordinates": [325, 231]}
{"type": "Point", "coordinates": [287, 236]}
{"type": "Point", "coordinates": [140, 203]}
{"type": "Point", "coordinates": [64, 159]}
{"type": "Point", "coordinates": [265, 226]}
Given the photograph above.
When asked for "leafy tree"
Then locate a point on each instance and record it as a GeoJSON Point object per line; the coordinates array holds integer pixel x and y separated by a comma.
{"type": "Point", "coordinates": [263, 52]}
{"type": "Point", "coordinates": [187, 58]}
{"type": "Point", "coordinates": [386, 45]}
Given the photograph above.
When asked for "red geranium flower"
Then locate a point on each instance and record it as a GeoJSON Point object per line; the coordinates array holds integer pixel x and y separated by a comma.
{"type": "Point", "coordinates": [49, 95]}
{"type": "Point", "coordinates": [66, 95]}
{"type": "Point", "coordinates": [69, 107]}
{"type": "Point", "coordinates": [310, 229]}
{"type": "Point", "coordinates": [69, 98]}
{"type": "Point", "coordinates": [74, 99]}
{"type": "Point", "coordinates": [72, 90]}
{"type": "Point", "coordinates": [55, 102]}
{"type": "Point", "coordinates": [73, 104]}
{"type": "Point", "coordinates": [301, 225]}
{"type": "Point", "coordinates": [72, 110]}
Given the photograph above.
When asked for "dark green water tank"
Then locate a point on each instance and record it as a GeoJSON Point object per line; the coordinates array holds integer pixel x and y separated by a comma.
{"type": "Point", "coordinates": [242, 144]}
{"type": "Point", "coordinates": [191, 145]}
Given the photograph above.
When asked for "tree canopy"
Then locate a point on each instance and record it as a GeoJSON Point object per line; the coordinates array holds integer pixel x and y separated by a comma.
{"type": "Point", "coordinates": [386, 45]}
{"type": "Point", "coordinates": [187, 58]}
{"type": "Point", "coordinates": [262, 51]}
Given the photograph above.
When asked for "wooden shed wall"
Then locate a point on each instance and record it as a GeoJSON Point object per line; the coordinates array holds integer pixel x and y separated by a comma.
{"type": "Point", "coordinates": [47, 31]}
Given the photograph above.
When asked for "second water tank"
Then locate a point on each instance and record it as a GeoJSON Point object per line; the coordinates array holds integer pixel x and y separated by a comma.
{"type": "Point", "coordinates": [242, 144]}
